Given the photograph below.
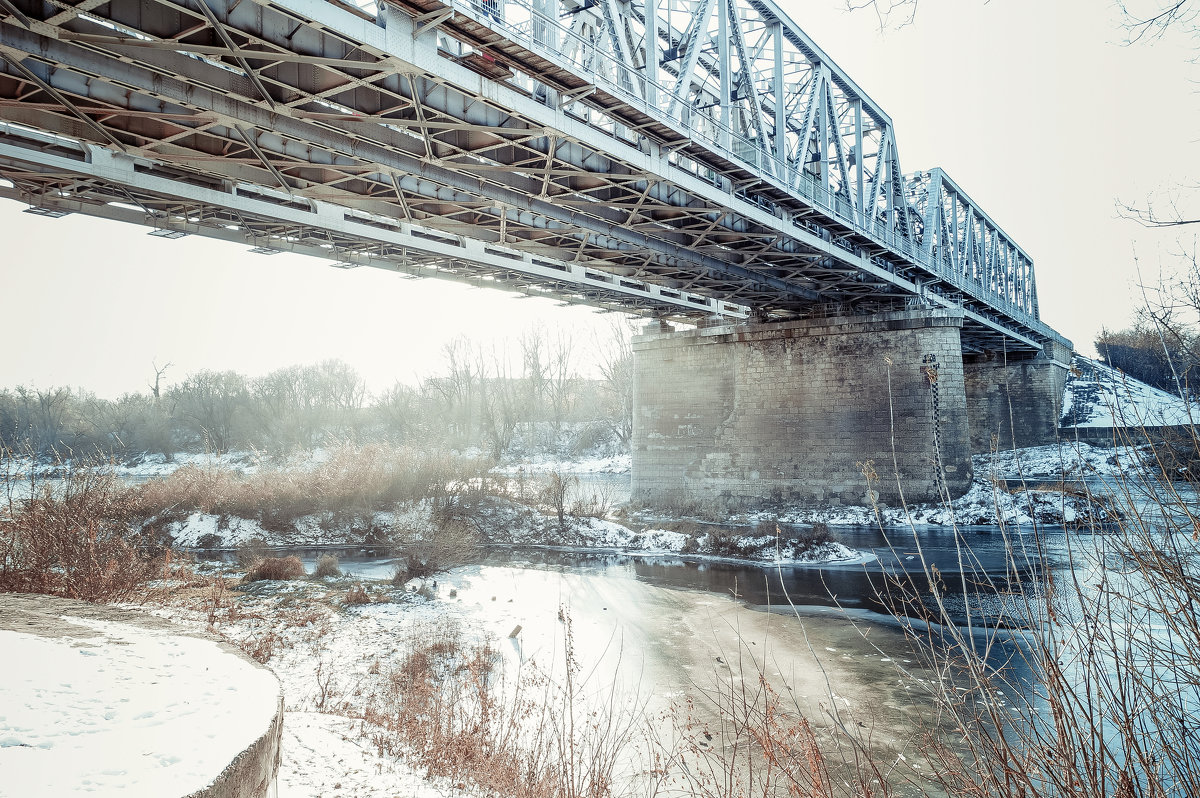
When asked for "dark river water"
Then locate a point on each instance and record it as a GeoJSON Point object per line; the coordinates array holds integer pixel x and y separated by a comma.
{"type": "Point", "coordinates": [972, 564]}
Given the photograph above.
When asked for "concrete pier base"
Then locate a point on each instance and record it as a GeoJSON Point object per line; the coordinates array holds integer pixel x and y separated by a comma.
{"type": "Point", "coordinates": [802, 412]}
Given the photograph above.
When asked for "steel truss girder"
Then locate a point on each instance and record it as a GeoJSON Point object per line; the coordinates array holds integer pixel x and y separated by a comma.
{"type": "Point", "coordinates": [963, 240]}
{"type": "Point", "coordinates": [842, 231]}
{"type": "Point", "coordinates": [106, 183]}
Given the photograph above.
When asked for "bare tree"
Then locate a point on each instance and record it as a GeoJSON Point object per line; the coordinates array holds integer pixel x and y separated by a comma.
{"type": "Point", "coordinates": [560, 376]}
{"type": "Point", "coordinates": [155, 387]}
{"type": "Point", "coordinates": [41, 416]}
{"type": "Point", "coordinates": [398, 410]}
{"type": "Point", "coordinates": [341, 392]}
{"type": "Point", "coordinates": [533, 364]}
{"type": "Point", "coordinates": [458, 388]}
{"type": "Point", "coordinates": [499, 405]}
{"type": "Point", "coordinates": [889, 13]}
{"type": "Point", "coordinates": [210, 405]}
{"type": "Point", "coordinates": [616, 366]}
{"type": "Point", "coordinates": [1153, 23]}
{"type": "Point", "coordinates": [1151, 216]}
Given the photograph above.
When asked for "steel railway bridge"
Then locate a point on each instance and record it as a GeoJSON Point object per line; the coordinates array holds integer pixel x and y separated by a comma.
{"type": "Point", "coordinates": [683, 159]}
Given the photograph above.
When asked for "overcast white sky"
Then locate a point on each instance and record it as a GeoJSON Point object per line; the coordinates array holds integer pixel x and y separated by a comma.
{"type": "Point", "coordinates": [1034, 108]}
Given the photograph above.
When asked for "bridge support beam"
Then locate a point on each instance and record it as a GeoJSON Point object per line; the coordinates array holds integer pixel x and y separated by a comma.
{"type": "Point", "coordinates": [1014, 403]}
{"type": "Point", "coordinates": [750, 415]}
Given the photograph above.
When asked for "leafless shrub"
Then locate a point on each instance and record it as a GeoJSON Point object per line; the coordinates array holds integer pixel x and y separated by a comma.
{"type": "Point", "coordinates": [276, 568]}
{"type": "Point", "coordinates": [683, 503]}
{"type": "Point", "coordinates": [554, 495]}
{"type": "Point", "coordinates": [74, 539]}
{"type": "Point", "coordinates": [325, 685]}
{"type": "Point", "coordinates": [357, 595]}
{"type": "Point", "coordinates": [453, 541]}
{"type": "Point", "coordinates": [327, 567]}
{"type": "Point", "coordinates": [261, 646]}
{"type": "Point", "coordinates": [400, 574]}
{"type": "Point", "coordinates": [209, 540]}
{"type": "Point", "coordinates": [595, 505]}
{"type": "Point", "coordinates": [803, 540]}
{"type": "Point", "coordinates": [251, 552]}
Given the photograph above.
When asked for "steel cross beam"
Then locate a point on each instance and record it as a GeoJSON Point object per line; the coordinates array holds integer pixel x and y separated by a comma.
{"type": "Point", "coordinates": [548, 127]}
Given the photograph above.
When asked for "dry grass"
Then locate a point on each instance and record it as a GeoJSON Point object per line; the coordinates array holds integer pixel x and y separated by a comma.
{"type": "Point", "coordinates": [276, 568]}
{"type": "Point", "coordinates": [353, 483]}
{"type": "Point", "coordinates": [442, 707]}
{"type": "Point", "coordinates": [452, 707]}
{"type": "Point", "coordinates": [761, 743]}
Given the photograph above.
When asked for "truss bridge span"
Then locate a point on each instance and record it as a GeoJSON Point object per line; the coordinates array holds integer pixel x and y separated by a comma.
{"type": "Point", "coordinates": [684, 159]}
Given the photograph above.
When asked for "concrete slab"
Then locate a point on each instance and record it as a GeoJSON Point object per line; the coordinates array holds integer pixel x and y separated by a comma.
{"type": "Point", "coordinates": [104, 700]}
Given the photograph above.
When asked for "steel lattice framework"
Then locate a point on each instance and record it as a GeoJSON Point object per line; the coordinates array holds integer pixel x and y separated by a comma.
{"type": "Point", "coordinates": [679, 158]}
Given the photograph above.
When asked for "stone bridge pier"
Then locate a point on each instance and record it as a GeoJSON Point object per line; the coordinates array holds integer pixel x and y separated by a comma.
{"type": "Point", "coordinates": [828, 411]}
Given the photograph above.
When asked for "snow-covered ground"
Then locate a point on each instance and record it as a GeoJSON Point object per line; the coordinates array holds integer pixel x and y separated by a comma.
{"type": "Point", "coordinates": [122, 709]}
{"type": "Point", "coordinates": [1101, 396]}
{"type": "Point", "coordinates": [149, 466]}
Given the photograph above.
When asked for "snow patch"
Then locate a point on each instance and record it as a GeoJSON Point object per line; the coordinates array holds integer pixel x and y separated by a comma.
{"type": "Point", "coordinates": [128, 710]}
{"type": "Point", "coordinates": [1100, 396]}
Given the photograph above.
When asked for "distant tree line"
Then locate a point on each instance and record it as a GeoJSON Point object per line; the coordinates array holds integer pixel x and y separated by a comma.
{"type": "Point", "coordinates": [479, 399]}
{"type": "Point", "coordinates": [1167, 358]}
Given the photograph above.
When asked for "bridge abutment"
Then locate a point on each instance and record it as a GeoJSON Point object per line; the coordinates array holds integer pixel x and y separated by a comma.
{"type": "Point", "coordinates": [1014, 403]}
{"type": "Point", "coordinates": [748, 415]}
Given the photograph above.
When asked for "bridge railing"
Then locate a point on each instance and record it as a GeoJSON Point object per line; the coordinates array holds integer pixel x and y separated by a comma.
{"type": "Point", "coordinates": [521, 22]}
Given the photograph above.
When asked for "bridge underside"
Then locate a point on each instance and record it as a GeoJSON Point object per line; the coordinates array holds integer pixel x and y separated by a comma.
{"type": "Point", "coordinates": [433, 138]}
{"type": "Point", "coordinates": [845, 410]}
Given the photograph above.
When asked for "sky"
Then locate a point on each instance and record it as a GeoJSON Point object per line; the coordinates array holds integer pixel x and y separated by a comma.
{"type": "Point", "coordinates": [1037, 110]}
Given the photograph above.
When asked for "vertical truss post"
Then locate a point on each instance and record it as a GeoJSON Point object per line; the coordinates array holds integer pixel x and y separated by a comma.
{"type": "Point", "coordinates": [858, 163]}
{"type": "Point", "coordinates": [955, 250]}
{"type": "Point", "coordinates": [726, 72]}
{"type": "Point", "coordinates": [823, 129]}
{"type": "Point", "coordinates": [933, 215]}
{"type": "Point", "coordinates": [778, 89]}
{"type": "Point", "coordinates": [651, 52]}
{"type": "Point", "coordinates": [545, 28]}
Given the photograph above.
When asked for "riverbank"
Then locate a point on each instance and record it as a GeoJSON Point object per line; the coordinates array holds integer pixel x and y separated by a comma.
{"type": "Point", "coordinates": [1057, 485]}
{"type": "Point", "coordinates": [407, 499]}
{"type": "Point", "coordinates": [664, 661]}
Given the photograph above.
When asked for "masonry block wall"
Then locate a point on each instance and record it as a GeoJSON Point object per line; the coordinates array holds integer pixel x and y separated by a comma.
{"type": "Point", "coordinates": [752, 414]}
{"type": "Point", "coordinates": [1015, 403]}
